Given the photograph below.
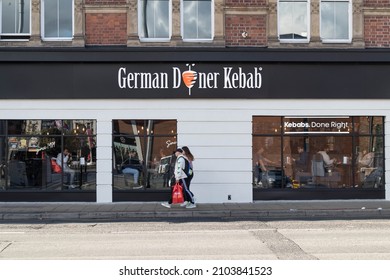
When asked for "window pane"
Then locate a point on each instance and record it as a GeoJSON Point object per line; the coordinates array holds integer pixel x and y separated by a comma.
{"type": "Point", "coordinates": [155, 19]}
{"type": "Point", "coordinates": [150, 143]}
{"type": "Point", "coordinates": [50, 18]}
{"type": "Point", "coordinates": [340, 152]}
{"type": "Point", "coordinates": [197, 19]}
{"type": "Point", "coordinates": [3, 161]}
{"type": "Point", "coordinates": [334, 20]}
{"type": "Point", "coordinates": [65, 17]}
{"type": "Point", "coordinates": [369, 162]}
{"type": "Point", "coordinates": [33, 147]}
{"type": "Point", "coordinates": [15, 17]}
{"type": "Point", "coordinates": [293, 20]}
{"type": "Point", "coordinates": [58, 18]}
{"type": "Point", "coordinates": [267, 125]}
{"type": "Point", "coordinates": [24, 127]}
{"type": "Point", "coordinates": [143, 128]}
{"type": "Point", "coordinates": [368, 125]}
{"type": "Point", "coordinates": [204, 19]}
{"type": "Point", "coordinates": [267, 162]}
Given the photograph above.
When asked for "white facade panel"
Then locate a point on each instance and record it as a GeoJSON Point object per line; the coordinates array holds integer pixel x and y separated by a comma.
{"type": "Point", "coordinates": [104, 126]}
{"type": "Point", "coordinates": [104, 193]}
{"type": "Point", "coordinates": [104, 152]}
{"type": "Point", "coordinates": [104, 178]}
{"type": "Point", "coordinates": [214, 127]}
{"type": "Point", "coordinates": [214, 140]}
{"type": "Point", "coordinates": [105, 140]}
{"type": "Point", "coordinates": [102, 165]}
{"type": "Point", "coordinates": [219, 193]}
{"type": "Point", "coordinates": [221, 152]}
{"type": "Point", "coordinates": [230, 165]}
{"type": "Point", "coordinates": [228, 177]}
{"type": "Point", "coordinates": [219, 132]}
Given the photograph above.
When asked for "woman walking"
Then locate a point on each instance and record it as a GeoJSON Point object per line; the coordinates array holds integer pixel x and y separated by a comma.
{"type": "Point", "coordinates": [183, 175]}
{"type": "Point", "coordinates": [189, 200]}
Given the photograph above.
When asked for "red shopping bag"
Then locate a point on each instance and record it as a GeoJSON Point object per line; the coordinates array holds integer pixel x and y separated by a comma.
{"type": "Point", "coordinates": [177, 194]}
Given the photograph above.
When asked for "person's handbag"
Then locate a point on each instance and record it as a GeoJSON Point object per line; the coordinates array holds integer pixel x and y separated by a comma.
{"type": "Point", "coordinates": [177, 194]}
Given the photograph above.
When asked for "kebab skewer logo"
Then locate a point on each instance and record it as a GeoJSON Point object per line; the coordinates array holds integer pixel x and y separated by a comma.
{"type": "Point", "coordinates": [189, 77]}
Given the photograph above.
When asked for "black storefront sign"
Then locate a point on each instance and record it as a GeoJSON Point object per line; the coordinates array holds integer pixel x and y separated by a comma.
{"type": "Point", "coordinates": [147, 80]}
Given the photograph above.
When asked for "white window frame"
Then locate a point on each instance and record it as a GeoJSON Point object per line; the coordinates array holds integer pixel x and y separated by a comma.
{"type": "Point", "coordinates": [14, 34]}
{"type": "Point", "coordinates": [349, 40]}
{"type": "Point", "coordinates": [43, 25]}
{"type": "Point", "coordinates": [197, 39]}
{"type": "Point", "coordinates": [307, 40]}
{"type": "Point", "coordinates": [143, 39]}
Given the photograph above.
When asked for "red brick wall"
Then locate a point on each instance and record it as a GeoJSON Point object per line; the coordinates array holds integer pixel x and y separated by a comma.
{"type": "Point", "coordinates": [255, 25]}
{"type": "Point", "coordinates": [377, 31]}
{"type": "Point", "coordinates": [106, 29]}
{"type": "Point", "coordinates": [245, 3]}
{"type": "Point", "coordinates": [376, 3]}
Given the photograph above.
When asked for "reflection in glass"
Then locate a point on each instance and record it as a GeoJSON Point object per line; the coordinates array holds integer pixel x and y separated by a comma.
{"type": "Point", "coordinates": [335, 20]}
{"type": "Point", "coordinates": [267, 125]}
{"type": "Point", "coordinates": [340, 152]}
{"type": "Point", "coordinates": [151, 143]}
{"type": "Point", "coordinates": [293, 19]}
{"type": "Point", "coordinates": [30, 148]}
{"type": "Point", "coordinates": [197, 19]}
{"type": "Point", "coordinates": [369, 162]}
{"type": "Point", "coordinates": [58, 18]}
{"type": "Point", "coordinates": [3, 161]}
{"type": "Point", "coordinates": [267, 162]}
{"type": "Point", "coordinates": [154, 18]}
{"type": "Point", "coordinates": [368, 125]}
{"type": "Point", "coordinates": [15, 17]}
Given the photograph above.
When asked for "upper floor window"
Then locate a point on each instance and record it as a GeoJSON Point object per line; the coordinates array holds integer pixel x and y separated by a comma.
{"type": "Point", "coordinates": [197, 17]}
{"type": "Point", "coordinates": [15, 19]}
{"type": "Point", "coordinates": [154, 20]}
{"type": "Point", "coordinates": [57, 19]}
{"type": "Point", "coordinates": [293, 21]}
{"type": "Point", "coordinates": [336, 21]}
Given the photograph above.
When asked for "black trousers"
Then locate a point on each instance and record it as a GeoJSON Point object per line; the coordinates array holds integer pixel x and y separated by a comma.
{"type": "Point", "coordinates": [188, 195]}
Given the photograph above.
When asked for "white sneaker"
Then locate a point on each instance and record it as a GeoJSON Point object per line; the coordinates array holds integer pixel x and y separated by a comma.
{"type": "Point", "coordinates": [72, 187]}
{"type": "Point", "coordinates": [190, 205]}
{"type": "Point", "coordinates": [166, 204]}
{"type": "Point", "coordinates": [137, 187]}
{"type": "Point", "coordinates": [184, 204]}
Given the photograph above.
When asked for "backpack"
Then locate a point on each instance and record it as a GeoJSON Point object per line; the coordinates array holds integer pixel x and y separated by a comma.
{"type": "Point", "coordinates": [188, 170]}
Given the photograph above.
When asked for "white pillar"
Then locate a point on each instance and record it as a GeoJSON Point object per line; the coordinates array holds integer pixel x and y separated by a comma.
{"type": "Point", "coordinates": [104, 161]}
{"type": "Point", "coordinates": [387, 157]}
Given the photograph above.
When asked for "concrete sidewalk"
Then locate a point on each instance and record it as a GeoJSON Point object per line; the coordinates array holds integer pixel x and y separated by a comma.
{"type": "Point", "coordinates": [119, 211]}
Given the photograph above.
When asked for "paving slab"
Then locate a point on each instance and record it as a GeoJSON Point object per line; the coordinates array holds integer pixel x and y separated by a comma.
{"type": "Point", "coordinates": [335, 209]}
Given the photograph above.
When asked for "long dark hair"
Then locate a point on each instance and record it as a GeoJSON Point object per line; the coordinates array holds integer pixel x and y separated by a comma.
{"type": "Point", "coordinates": [188, 153]}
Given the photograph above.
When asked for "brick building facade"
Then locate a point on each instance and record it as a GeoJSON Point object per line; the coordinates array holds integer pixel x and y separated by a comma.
{"type": "Point", "coordinates": [115, 23]}
{"type": "Point", "coordinates": [225, 77]}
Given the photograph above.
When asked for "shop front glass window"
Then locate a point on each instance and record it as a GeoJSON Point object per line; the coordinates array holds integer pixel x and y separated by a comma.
{"type": "Point", "coordinates": [15, 18]}
{"type": "Point", "coordinates": [33, 158]}
{"type": "Point", "coordinates": [337, 153]}
{"type": "Point", "coordinates": [57, 19]}
{"type": "Point", "coordinates": [154, 19]}
{"type": "Point", "coordinates": [143, 154]}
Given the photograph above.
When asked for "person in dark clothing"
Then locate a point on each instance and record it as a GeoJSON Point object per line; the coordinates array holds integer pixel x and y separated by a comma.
{"type": "Point", "coordinates": [302, 163]}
